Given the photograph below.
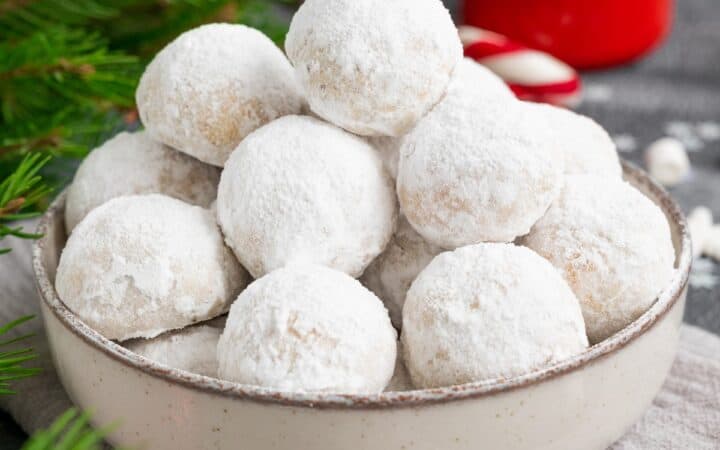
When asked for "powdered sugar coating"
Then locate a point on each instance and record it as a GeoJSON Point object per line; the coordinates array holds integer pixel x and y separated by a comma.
{"type": "Point", "coordinates": [392, 273]}
{"type": "Point", "coordinates": [308, 328]}
{"type": "Point", "coordinates": [132, 163]}
{"type": "Point", "coordinates": [302, 190]}
{"type": "Point", "coordinates": [192, 349]}
{"type": "Point", "coordinates": [214, 85]}
{"type": "Point", "coordinates": [613, 247]}
{"type": "Point", "coordinates": [587, 147]}
{"type": "Point", "coordinates": [488, 311]}
{"type": "Point", "coordinates": [477, 171]}
{"type": "Point", "coordinates": [140, 265]}
{"type": "Point", "coordinates": [471, 76]}
{"type": "Point", "coordinates": [373, 67]}
{"type": "Point", "coordinates": [468, 75]}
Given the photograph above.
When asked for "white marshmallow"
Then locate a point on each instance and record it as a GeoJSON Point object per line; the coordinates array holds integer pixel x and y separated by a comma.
{"type": "Point", "coordinates": [667, 161]}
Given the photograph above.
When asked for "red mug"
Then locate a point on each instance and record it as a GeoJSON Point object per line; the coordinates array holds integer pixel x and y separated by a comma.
{"type": "Point", "coordinates": [584, 33]}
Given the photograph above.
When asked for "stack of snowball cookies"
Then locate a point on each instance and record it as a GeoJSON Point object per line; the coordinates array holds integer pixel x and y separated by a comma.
{"type": "Point", "coordinates": [370, 185]}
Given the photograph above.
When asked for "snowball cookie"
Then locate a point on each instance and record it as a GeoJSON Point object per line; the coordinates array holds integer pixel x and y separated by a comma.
{"type": "Point", "coordinates": [212, 86]}
{"type": "Point", "coordinates": [488, 311]}
{"type": "Point", "coordinates": [373, 67]}
{"type": "Point", "coordinates": [471, 75]}
{"type": "Point", "coordinates": [612, 245]}
{"type": "Point", "coordinates": [468, 75]}
{"type": "Point", "coordinates": [476, 171]}
{"type": "Point", "coordinates": [302, 190]}
{"type": "Point", "coordinates": [140, 265]}
{"type": "Point", "coordinates": [389, 276]}
{"type": "Point", "coordinates": [587, 147]}
{"type": "Point", "coordinates": [308, 328]}
{"type": "Point", "coordinates": [192, 349]}
{"type": "Point", "coordinates": [132, 163]}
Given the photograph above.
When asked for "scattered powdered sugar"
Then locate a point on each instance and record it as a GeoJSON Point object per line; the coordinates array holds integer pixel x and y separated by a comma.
{"type": "Point", "coordinates": [694, 135]}
{"type": "Point", "coordinates": [391, 274]}
{"type": "Point", "coordinates": [488, 311]}
{"type": "Point", "coordinates": [709, 131]}
{"type": "Point", "coordinates": [598, 93]}
{"type": "Point", "coordinates": [308, 328]}
{"type": "Point", "coordinates": [703, 274]}
{"type": "Point", "coordinates": [679, 128]}
{"type": "Point", "coordinates": [587, 147]}
{"type": "Point", "coordinates": [193, 349]}
{"type": "Point", "coordinates": [132, 163]}
{"type": "Point", "coordinates": [138, 266]}
{"type": "Point", "coordinates": [474, 171]}
{"type": "Point", "coordinates": [612, 245]}
{"type": "Point", "coordinates": [625, 143]}
{"type": "Point", "coordinates": [373, 67]}
{"type": "Point", "coordinates": [212, 86]}
{"type": "Point", "coordinates": [301, 190]}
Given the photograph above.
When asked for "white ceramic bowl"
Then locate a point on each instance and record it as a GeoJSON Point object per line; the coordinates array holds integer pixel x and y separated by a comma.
{"type": "Point", "coordinates": [584, 403]}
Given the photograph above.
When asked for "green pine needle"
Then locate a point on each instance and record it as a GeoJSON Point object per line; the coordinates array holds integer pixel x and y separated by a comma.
{"type": "Point", "coordinates": [71, 431]}
{"type": "Point", "coordinates": [13, 359]}
{"type": "Point", "coordinates": [23, 189]}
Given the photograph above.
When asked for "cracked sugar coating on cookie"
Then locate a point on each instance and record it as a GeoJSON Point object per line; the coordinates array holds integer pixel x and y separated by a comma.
{"type": "Point", "coordinates": [488, 311]}
{"type": "Point", "coordinates": [468, 75]}
{"type": "Point", "coordinates": [390, 275]}
{"type": "Point", "coordinates": [308, 328]}
{"type": "Point", "coordinates": [613, 247]}
{"type": "Point", "coordinates": [214, 85]}
{"type": "Point", "coordinates": [132, 163]}
{"type": "Point", "coordinates": [141, 265]}
{"type": "Point", "coordinates": [192, 349]}
{"type": "Point", "coordinates": [302, 190]}
{"type": "Point", "coordinates": [373, 67]}
{"type": "Point", "coordinates": [587, 147]}
{"type": "Point", "coordinates": [477, 171]}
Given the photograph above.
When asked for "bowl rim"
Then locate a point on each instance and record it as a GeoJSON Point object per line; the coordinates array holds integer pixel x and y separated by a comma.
{"type": "Point", "coordinates": [386, 400]}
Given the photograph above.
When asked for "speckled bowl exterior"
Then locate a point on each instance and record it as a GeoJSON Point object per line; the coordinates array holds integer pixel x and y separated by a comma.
{"type": "Point", "coordinates": [586, 402]}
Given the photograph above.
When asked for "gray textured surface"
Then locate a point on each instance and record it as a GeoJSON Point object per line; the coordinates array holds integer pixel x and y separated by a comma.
{"type": "Point", "coordinates": [680, 82]}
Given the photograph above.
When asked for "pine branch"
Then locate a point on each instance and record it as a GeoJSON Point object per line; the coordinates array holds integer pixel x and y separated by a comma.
{"type": "Point", "coordinates": [20, 191]}
{"type": "Point", "coordinates": [12, 360]}
{"type": "Point", "coordinates": [19, 18]}
{"type": "Point", "coordinates": [58, 68]}
{"type": "Point", "coordinates": [71, 431]}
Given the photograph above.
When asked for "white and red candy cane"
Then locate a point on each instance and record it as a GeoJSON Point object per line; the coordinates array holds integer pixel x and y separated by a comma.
{"type": "Point", "coordinates": [533, 75]}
